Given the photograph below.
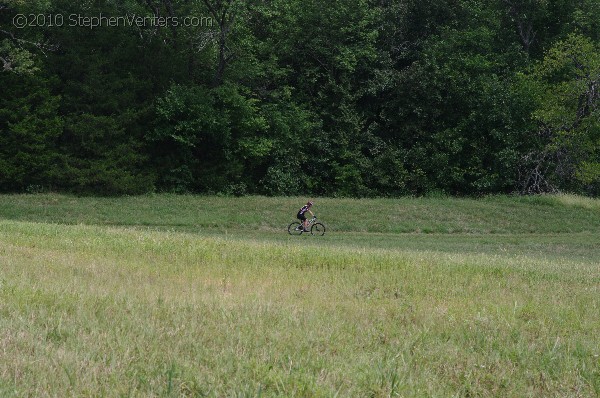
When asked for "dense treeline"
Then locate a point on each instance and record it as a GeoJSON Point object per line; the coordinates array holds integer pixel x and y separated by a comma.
{"type": "Point", "coordinates": [340, 97]}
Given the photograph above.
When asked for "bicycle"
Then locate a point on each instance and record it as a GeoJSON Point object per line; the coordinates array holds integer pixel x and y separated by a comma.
{"type": "Point", "coordinates": [316, 228]}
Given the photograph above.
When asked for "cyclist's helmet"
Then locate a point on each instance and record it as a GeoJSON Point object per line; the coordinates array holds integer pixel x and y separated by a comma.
{"type": "Point", "coordinates": [310, 203]}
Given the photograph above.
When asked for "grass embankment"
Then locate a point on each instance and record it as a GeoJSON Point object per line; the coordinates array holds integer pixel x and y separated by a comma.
{"type": "Point", "coordinates": [495, 214]}
{"type": "Point", "coordinates": [209, 296]}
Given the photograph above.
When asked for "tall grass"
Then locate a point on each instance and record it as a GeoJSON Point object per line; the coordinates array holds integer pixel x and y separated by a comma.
{"type": "Point", "coordinates": [96, 310]}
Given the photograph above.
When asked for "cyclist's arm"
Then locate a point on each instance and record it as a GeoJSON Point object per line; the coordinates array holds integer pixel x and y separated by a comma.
{"type": "Point", "coordinates": [311, 213]}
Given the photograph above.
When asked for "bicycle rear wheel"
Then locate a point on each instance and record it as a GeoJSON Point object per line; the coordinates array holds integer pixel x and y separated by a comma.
{"type": "Point", "coordinates": [295, 228]}
{"type": "Point", "coordinates": [317, 229]}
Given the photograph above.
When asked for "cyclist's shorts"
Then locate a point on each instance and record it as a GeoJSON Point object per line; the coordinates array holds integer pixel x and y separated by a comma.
{"type": "Point", "coordinates": [300, 216]}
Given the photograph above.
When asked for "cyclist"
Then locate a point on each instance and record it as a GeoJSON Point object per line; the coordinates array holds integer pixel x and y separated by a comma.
{"type": "Point", "coordinates": [301, 214]}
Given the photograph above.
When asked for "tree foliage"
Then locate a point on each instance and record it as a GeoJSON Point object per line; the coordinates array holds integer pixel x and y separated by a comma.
{"type": "Point", "coordinates": [280, 97]}
{"type": "Point", "coordinates": [566, 83]}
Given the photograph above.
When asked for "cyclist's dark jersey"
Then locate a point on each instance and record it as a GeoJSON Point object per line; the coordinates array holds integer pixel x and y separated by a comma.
{"type": "Point", "coordinates": [303, 210]}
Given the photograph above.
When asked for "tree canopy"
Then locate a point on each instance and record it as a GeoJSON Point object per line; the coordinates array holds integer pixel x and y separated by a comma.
{"type": "Point", "coordinates": [278, 97]}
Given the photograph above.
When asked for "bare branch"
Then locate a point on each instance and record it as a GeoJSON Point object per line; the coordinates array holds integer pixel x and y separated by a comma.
{"type": "Point", "coordinates": [41, 46]}
{"type": "Point", "coordinates": [211, 9]}
{"type": "Point", "coordinates": [6, 65]}
{"type": "Point", "coordinates": [524, 28]}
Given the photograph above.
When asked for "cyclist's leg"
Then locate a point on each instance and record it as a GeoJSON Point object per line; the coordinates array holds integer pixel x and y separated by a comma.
{"type": "Point", "coordinates": [302, 219]}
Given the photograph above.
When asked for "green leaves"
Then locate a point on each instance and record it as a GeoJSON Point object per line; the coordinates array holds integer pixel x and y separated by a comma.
{"type": "Point", "coordinates": [566, 84]}
{"type": "Point", "coordinates": [569, 74]}
{"type": "Point", "coordinates": [343, 97]}
{"type": "Point", "coordinates": [29, 130]}
{"type": "Point", "coordinates": [15, 59]}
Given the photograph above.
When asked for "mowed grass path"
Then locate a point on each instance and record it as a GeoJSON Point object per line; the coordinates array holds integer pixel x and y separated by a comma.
{"type": "Point", "coordinates": [193, 296]}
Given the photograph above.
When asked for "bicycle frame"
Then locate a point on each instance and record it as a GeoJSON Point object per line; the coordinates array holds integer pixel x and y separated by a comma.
{"type": "Point", "coordinates": [310, 223]}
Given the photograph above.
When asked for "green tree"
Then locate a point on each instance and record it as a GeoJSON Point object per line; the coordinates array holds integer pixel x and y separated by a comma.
{"type": "Point", "coordinates": [566, 84]}
{"type": "Point", "coordinates": [29, 131]}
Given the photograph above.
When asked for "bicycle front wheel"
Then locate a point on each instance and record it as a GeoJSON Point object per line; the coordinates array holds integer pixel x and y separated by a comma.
{"type": "Point", "coordinates": [295, 228]}
{"type": "Point", "coordinates": [317, 229]}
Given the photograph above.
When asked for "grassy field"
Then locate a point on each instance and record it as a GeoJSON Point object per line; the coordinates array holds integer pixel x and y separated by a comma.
{"type": "Point", "coordinates": [208, 296]}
